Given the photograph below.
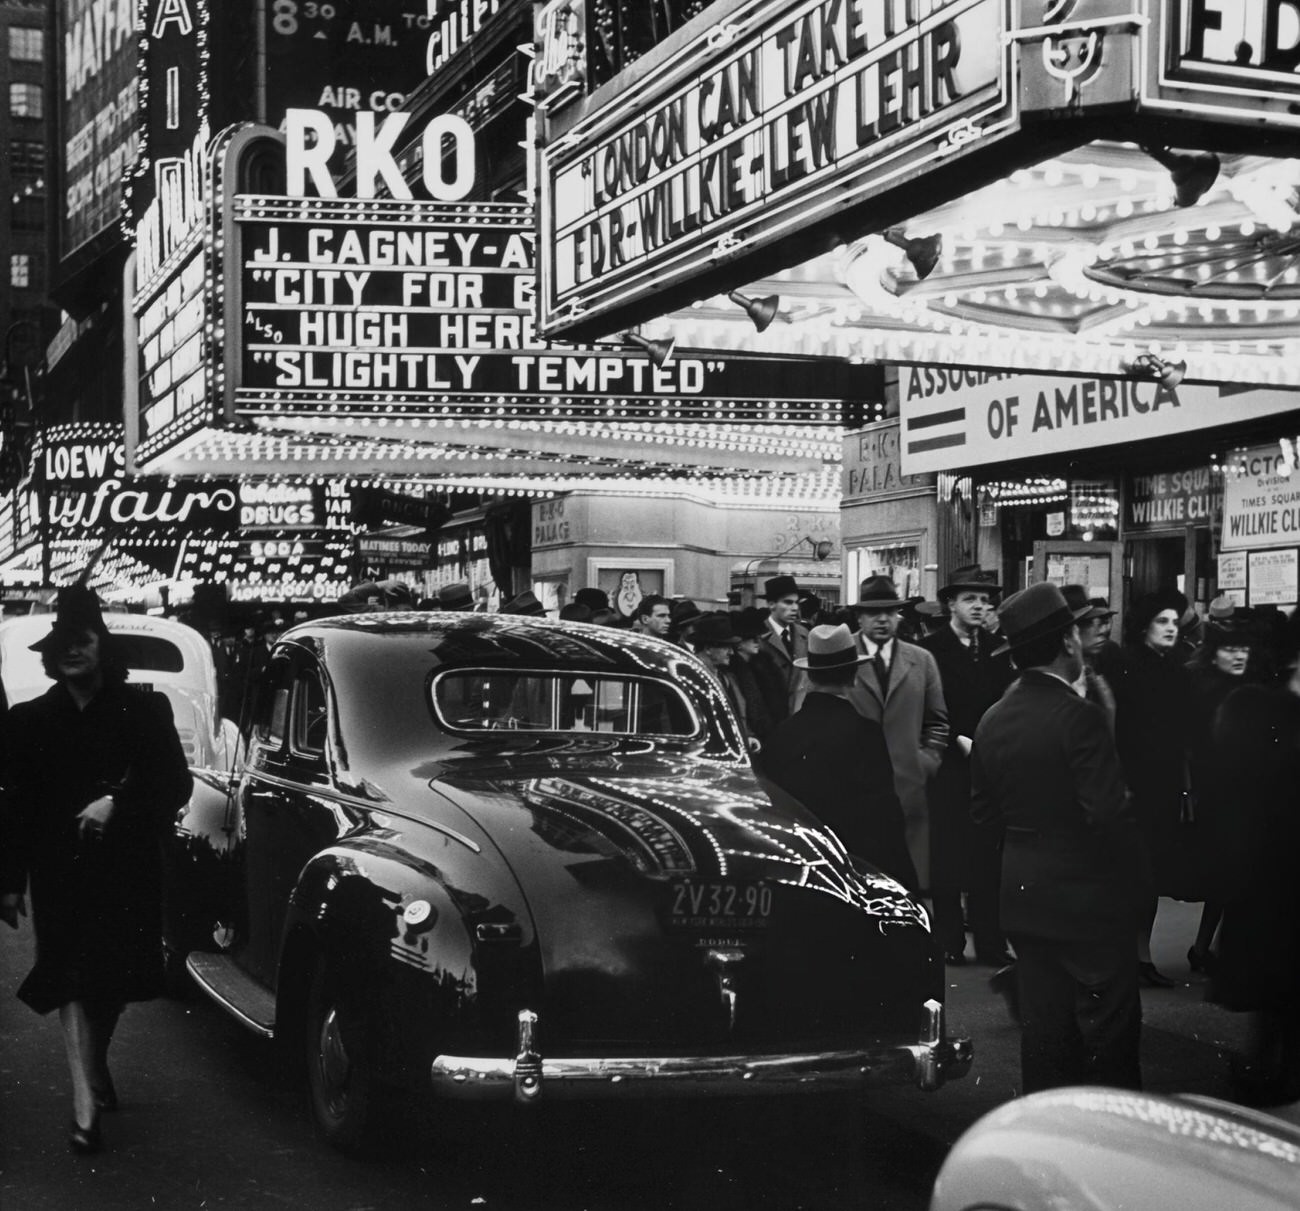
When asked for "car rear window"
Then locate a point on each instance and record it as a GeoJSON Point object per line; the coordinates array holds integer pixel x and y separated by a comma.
{"type": "Point", "coordinates": [490, 700]}
{"type": "Point", "coordinates": [149, 653]}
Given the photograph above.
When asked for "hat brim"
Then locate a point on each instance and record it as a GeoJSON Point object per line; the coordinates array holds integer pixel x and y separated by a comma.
{"type": "Point", "coordinates": [974, 586]}
{"type": "Point", "coordinates": [1010, 645]}
{"type": "Point", "coordinates": [802, 663]}
{"type": "Point", "coordinates": [878, 605]}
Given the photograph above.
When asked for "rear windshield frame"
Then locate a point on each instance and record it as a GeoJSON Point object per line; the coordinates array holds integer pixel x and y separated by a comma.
{"type": "Point", "coordinates": [697, 733]}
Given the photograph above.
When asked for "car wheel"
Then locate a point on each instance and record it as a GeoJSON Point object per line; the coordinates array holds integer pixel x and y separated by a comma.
{"type": "Point", "coordinates": [343, 1089]}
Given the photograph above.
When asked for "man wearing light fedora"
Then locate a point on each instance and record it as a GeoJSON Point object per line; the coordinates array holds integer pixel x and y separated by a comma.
{"type": "Point", "coordinates": [898, 687]}
{"type": "Point", "coordinates": [964, 855]}
{"type": "Point", "coordinates": [835, 763]}
{"type": "Point", "coordinates": [784, 641]}
{"type": "Point", "coordinates": [1044, 769]}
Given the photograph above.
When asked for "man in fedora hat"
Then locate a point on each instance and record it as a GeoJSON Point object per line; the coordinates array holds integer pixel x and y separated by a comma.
{"type": "Point", "coordinates": [456, 597]}
{"type": "Point", "coordinates": [835, 763]}
{"type": "Point", "coordinates": [525, 603]}
{"type": "Point", "coordinates": [784, 641]}
{"type": "Point", "coordinates": [1044, 769]}
{"type": "Point", "coordinates": [898, 687]}
{"type": "Point", "coordinates": [964, 855]}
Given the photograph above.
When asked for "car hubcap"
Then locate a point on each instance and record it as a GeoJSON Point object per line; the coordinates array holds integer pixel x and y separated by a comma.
{"type": "Point", "coordinates": [334, 1064]}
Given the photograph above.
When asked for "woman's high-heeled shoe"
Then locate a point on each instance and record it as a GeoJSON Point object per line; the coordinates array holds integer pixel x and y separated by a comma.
{"type": "Point", "coordinates": [85, 1140]}
{"type": "Point", "coordinates": [1150, 975]}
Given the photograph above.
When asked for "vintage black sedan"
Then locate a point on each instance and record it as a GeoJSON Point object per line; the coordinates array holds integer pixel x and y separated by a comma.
{"type": "Point", "coordinates": [490, 856]}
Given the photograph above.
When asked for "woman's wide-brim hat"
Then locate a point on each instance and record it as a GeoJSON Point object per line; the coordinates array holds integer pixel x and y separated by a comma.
{"type": "Point", "coordinates": [878, 593]}
{"type": "Point", "coordinates": [970, 578]}
{"type": "Point", "coordinates": [1035, 613]}
{"type": "Point", "coordinates": [831, 647]}
{"type": "Point", "coordinates": [76, 611]}
{"type": "Point", "coordinates": [593, 599]}
{"type": "Point", "coordinates": [749, 623]}
{"type": "Point", "coordinates": [714, 630]}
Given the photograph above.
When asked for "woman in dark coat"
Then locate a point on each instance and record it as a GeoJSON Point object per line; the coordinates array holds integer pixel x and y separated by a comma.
{"type": "Point", "coordinates": [94, 773]}
{"type": "Point", "coordinates": [1257, 837]}
{"type": "Point", "coordinates": [1153, 733]}
{"type": "Point", "coordinates": [1223, 663]}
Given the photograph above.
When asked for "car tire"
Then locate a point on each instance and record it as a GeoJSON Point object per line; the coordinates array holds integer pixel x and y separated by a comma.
{"type": "Point", "coordinates": [344, 1092]}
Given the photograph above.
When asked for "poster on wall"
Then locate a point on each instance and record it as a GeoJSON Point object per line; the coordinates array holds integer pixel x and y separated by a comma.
{"type": "Point", "coordinates": [1273, 577]}
{"type": "Point", "coordinates": [1261, 500]}
{"type": "Point", "coordinates": [1232, 571]}
{"type": "Point", "coordinates": [1092, 571]}
{"type": "Point", "coordinates": [625, 588]}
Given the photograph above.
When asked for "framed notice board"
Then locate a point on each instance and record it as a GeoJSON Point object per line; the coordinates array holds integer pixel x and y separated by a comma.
{"type": "Point", "coordinates": [1098, 566]}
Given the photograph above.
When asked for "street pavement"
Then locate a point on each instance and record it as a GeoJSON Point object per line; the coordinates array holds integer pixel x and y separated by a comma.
{"type": "Point", "coordinates": [211, 1119]}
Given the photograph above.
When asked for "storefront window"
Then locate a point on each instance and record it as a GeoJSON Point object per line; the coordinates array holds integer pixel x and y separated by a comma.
{"type": "Point", "coordinates": [900, 561]}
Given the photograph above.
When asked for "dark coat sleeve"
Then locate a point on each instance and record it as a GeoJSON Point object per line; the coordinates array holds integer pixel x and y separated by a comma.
{"type": "Point", "coordinates": [157, 781]}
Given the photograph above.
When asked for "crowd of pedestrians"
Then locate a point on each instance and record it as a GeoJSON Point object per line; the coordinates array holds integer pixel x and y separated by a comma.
{"type": "Point", "coordinates": [1037, 784]}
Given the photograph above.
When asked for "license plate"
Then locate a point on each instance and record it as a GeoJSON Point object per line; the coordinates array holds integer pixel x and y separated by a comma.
{"type": "Point", "coordinates": [721, 905]}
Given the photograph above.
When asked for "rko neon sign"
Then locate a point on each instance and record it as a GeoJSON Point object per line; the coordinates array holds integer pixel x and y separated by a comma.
{"type": "Point", "coordinates": [447, 143]}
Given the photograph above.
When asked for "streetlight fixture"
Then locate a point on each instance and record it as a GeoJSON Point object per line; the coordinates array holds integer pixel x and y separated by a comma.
{"type": "Point", "coordinates": [821, 550]}
{"type": "Point", "coordinates": [658, 351]}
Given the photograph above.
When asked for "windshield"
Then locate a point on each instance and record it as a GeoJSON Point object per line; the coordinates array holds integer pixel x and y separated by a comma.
{"type": "Point", "coordinates": [490, 700]}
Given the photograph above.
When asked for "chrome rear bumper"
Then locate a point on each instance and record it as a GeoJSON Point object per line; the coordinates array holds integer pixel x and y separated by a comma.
{"type": "Point", "coordinates": [527, 1077]}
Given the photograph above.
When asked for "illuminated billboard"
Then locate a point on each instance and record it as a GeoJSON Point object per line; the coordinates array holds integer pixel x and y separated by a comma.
{"type": "Point", "coordinates": [98, 114]}
{"type": "Point", "coordinates": [1233, 60]}
{"type": "Point", "coordinates": [783, 116]}
{"type": "Point", "coordinates": [89, 493]}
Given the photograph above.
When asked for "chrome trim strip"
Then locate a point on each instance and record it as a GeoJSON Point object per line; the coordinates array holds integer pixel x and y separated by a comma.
{"type": "Point", "coordinates": [366, 805]}
{"type": "Point", "coordinates": [528, 1077]}
{"type": "Point", "coordinates": [266, 1032]}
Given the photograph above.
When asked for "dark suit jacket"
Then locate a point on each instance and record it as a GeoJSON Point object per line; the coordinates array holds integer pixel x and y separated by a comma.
{"type": "Point", "coordinates": [782, 684]}
{"type": "Point", "coordinates": [1045, 767]}
{"type": "Point", "coordinates": [970, 686]}
{"type": "Point", "coordinates": [835, 763]}
{"type": "Point", "coordinates": [961, 853]}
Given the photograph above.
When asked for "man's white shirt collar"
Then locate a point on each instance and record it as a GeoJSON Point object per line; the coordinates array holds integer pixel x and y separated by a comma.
{"type": "Point", "coordinates": [885, 649]}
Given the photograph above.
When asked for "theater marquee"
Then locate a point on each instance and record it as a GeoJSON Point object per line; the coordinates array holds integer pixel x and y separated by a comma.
{"type": "Point", "coordinates": [777, 119]}
{"type": "Point", "coordinates": [381, 308]}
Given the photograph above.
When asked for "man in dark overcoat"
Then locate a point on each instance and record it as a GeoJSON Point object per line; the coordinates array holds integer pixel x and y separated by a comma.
{"type": "Point", "coordinates": [963, 854]}
{"type": "Point", "coordinates": [1044, 768]}
{"type": "Point", "coordinates": [783, 641]}
{"type": "Point", "coordinates": [835, 762]}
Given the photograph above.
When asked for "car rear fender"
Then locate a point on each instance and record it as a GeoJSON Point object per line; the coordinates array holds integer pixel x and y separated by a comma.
{"type": "Point", "coordinates": [437, 963]}
{"type": "Point", "coordinates": [204, 866]}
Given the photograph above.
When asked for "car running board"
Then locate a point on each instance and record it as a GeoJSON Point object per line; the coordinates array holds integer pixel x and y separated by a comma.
{"type": "Point", "coordinates": [234, 990]}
